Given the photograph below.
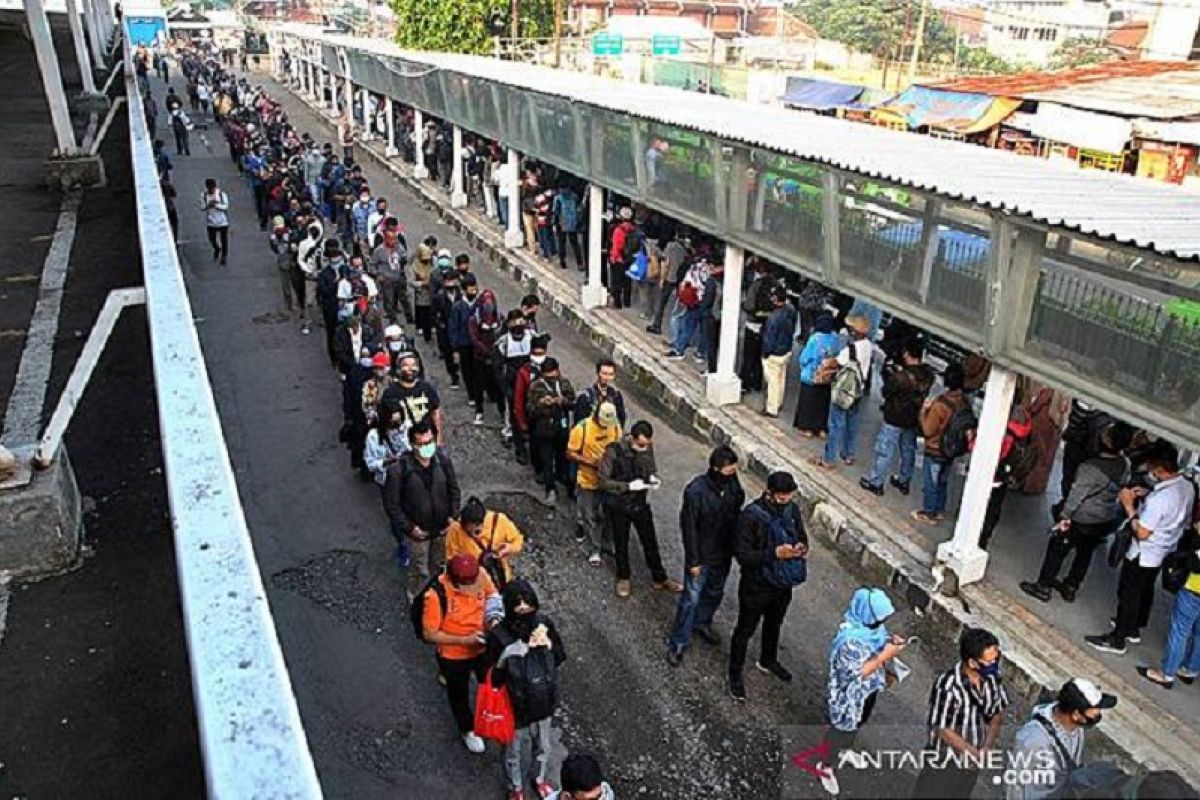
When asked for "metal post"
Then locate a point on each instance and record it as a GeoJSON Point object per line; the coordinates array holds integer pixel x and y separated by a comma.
{"type": "Point", "coordinates": [962, 554]}
{"type": "Point", "coordinates": [420, 171]}
{"type": "Point", "coordinates": [831, 202]}
{"type": "Point", "coordinates": [56, 98]}
{"type": "Point", "coordinates": [929, 245]}
{"type": "Point", "coordinates": [81, 47]}
{"type": "Point", "coordinates": [725, 387]}
{"type": "Point", "coordinates": [513, 237]}
{"type": "Point", "coordinates": [594, 294]}
{"type": "Point", "coordinates": [458, 194]}
{"type": "Point", "coordinates": [389, 110]}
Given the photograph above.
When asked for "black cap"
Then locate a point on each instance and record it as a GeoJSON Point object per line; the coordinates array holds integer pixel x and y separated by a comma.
{"type": "Point", "coordinates": [1078, 694]}
{"type": "Point", "coordinates": [781, 482]}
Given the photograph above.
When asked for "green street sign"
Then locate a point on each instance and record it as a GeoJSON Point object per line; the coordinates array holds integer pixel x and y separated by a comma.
{"type": "Point", "coordinates": [608, 44]}
{"type": "Point", "coordinates": [666, 45]}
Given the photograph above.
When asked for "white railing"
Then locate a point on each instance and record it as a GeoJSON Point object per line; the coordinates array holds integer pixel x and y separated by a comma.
{"type": "Point", "coordinates": [250, 731]}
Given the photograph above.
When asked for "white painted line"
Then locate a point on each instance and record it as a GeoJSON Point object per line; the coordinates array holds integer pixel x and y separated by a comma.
{"type": "Point", "coordinates": [23, 417]}
{"type": "Point", "coordinates": [99, 140]}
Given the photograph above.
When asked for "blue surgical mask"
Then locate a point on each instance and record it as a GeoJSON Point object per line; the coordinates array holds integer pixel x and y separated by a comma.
{"type": "Point", "coordinates": [427, 451]}
{"type": "Point", "coordinates": [991, 670]}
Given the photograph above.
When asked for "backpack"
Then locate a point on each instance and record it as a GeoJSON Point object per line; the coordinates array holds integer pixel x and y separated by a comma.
{"type": "Point", "coordinates": [1022, 460]}
{"type": "Point", "coordinates": [848, 384]}
{"type": "Point", "coordinates": [416, 609]}
{"type": "Point", "coordinates": [691, 288]}
{"type": "Point", "coordinates": [532, 685]}
{"type": "Point", "coordinates": [776, 573]}
{"type": "Point", "coordinates": [1095, 780]}
{"type": "Point", "coordinates": [954, 437]}
{"type": "Point", "coordinates": [631, 246]}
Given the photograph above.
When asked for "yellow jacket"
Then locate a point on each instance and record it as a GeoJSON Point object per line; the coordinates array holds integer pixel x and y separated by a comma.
{"type": "Point", "coordinates": [497, 530]}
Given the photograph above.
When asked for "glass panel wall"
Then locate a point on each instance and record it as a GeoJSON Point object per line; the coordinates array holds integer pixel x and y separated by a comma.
{"type": "Point", "coordinates": [680, 169]}
{"type": "Point", "coordinates": [559, 130]}
{"type": "Point", "coordinates": [881, 235]}
{"type": "Point", "coordinates": [612, 139]}
{"type": "Point", "coordinates": [454, 90]}
{"type": "Point", "coordinates": [775, 202]}
{"type": "Point", "coordinates": [484, 119]}
{"type": "Point", "coordinates": [518, 125]}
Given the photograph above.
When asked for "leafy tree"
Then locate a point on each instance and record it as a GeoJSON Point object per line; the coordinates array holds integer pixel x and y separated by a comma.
{"type": "Point", "coordinates": [980, 60]}
{"type": "Point", "coordinates": [877, 26]}
{"type": "Point", "coordinates": [1079, 51]}
{"type": "Point", "coordinates": [460, 26]}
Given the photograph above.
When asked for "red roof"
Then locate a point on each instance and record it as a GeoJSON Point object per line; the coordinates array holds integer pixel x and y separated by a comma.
{"type": "Point", "coordinates": [1024, 83]}
{"type": "Point", "coordinates": [1128, 35]}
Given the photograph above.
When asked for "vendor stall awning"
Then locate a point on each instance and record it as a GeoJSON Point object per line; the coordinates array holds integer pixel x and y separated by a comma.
{"type": "Point", "coordinates": [820, 95]}
{"type": "Point", "coordinates": [1085, 129]}
{"type": "Point", "coordinates": [961, 112]}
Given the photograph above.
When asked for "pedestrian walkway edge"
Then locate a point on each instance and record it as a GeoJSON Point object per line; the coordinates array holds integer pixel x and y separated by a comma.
{"type": "Point", "coordinates": [1037, 658]}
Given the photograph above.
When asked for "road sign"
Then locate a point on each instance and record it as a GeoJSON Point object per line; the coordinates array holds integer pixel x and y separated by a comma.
{"type": "Point", "coordinates": [666, 45]}
{"type": "Point", "coordinates": [608, 44]}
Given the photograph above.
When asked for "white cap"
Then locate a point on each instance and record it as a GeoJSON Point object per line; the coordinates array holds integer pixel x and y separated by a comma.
{"type": "Point", "coordinates": [393, 332]}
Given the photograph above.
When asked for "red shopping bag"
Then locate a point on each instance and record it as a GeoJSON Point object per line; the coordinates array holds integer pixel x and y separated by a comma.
{"type": "Point", "coordinates": [494, 712]}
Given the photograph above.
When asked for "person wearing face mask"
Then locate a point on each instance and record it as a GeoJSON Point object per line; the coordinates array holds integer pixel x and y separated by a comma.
{"type": "Point", "coordinates": [354, 420]}
{"type": "Point", "coordinates": [1052, 740]}
{"type": "Point", "coordinates": [357, 287]}
{"type": "Point", "coordinates": [398, 345]}
{"type": "Point", "coordinates": [327, 290]}
{"type": "Point", "coordinates": [772, 550]}
{"type": "Point", "coordinates": [351, 337]}
{"type": "Point", "coordinates": [458, 333]}
{"type": "Point", "coordinates": [376, 385]}
{"type": "Point", "coordinates": [627, 474]}
{"type": "Point", "coordinates": [423, 287]}
{"type": "Point", "coordinates": [385, 443]}
{"type": "Point", "coordinates": [483, 329]}
{"type": "Point", "coordinates": [388, 259]}
{"type": "Point", "coordinates": [527, 373]}
{"type": "Point", "coordinates": [602, 391]}
{"type": "Point", "coordinates": [549, 403]}
{"type": "Point", "coordinates": [421, 497]}
{"type": "Point", "coordinates": [443, 304]}
{"type": "Point", "coordinates": [418, 396]}
{"type": "Point", "coordinates": [512, 351]}
{"type": "Point", "coordinates": [860, 663]}
{"type": "Point", "coordinates": [708, 522]}
{"type": "Point", "coordinates": [1155, 529]}
{"type": "Point", "coordinates": [525, 653]}
{"type": "Point", "coordinates": [490, 536]}
{"type": "Point", "coordinates": [966, 709]}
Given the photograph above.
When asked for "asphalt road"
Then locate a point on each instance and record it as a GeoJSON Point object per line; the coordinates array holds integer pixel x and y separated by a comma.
{"type": "Point", "coordinates": [375, 717]}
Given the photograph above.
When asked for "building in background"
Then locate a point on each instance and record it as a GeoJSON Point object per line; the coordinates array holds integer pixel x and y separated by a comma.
{"type": "Point", "coordinates": [1174, 31]}
{"type": "Point", "coordinates": [1029, 31]}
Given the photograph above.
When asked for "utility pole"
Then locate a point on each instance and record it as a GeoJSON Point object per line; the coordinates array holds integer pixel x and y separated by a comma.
{"type": "Point", "coordinates": [558, 12]}
{"type": "Point", "coordinates": [916, 51]}
{"type": "Point", "coordinates": [514, 22]}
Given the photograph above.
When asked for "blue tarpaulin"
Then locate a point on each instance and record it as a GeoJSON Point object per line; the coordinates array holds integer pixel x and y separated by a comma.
{"type": "Point", "coordinates": [965, 112]}
{"type": "Point", "coordinates": [820, 95]}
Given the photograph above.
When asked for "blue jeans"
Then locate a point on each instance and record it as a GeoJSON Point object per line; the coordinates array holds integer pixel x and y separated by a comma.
{"type": "Point", "coordinates": [1183, 640]}
{"type": "Point", "coordinates": [685, 330]}
{"type": "Point", "coordinates": [887, 441]}
{"type": "Point", "coordinates": [545, 237]}
{"type": "Point", "coordinates": [502, 211]}
{"type": "Point", "coordinates": [698, 603]}
{"type": "Point", "coordinates": [843, 432]}
{"type": "Point", "coordinates": [936, 474]}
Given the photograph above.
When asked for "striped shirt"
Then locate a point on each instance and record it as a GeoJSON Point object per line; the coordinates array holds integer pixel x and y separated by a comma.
{"type": "Point", "coordinates": [957, 705]}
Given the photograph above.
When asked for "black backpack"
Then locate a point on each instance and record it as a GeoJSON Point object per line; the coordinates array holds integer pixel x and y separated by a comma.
{"type": "Point", "coordinates": [1022, 460]}
{"type": "Point", "coordinates": [955, 438]}
{"type": "Point", "coordinates": [532, 685]}
{"type": "Point", "coordinates": [416, 609]}
{"type": "Point", "coordinates": [631, 246]}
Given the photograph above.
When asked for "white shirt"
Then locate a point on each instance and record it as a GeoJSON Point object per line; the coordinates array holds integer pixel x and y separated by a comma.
{"type": "Point", "coordinates": [1167, 512]}
{"type": "Point", "coordinates": [345, 289]}
{"type": "Point", "coordinates": [505, 178]}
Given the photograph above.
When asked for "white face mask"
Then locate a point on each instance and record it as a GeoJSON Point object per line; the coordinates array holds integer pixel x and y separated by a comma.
{"type": "Point", "coordinates": [537, 359]}
{"type": "Point", "coordinates": [366, 362]}
{"type": "Point", "coordinates": [394, 347]}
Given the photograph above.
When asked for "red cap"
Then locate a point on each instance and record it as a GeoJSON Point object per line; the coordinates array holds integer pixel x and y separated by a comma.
{"type": "Point", "coordinates": [381, 360]}
{"type": "Point", "coordinates": [463, 568]}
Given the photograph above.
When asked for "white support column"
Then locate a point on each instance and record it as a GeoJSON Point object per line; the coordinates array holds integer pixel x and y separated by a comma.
{"type": "Point", "coordinates": [594, 293]}
{"type": "Point", "coordinates": [389, 109]}
{"type": "Point", "coordinates": [107, 20]}
{"type": "Point", "coordinates": [962, 554]}
{"type": "Point", "coordinates": [56, 97]}
{"type": "Point", "coordinates": [725, 387]}
{"type": "Point", "coordinates": [458, 194]}
{"type": "Point", "coordinates": [368, 123]}
{"type": "Point", "coordinates": [420, 171]}
{"type": "Point", "coordinates": [513, 237]}
{"type": "Point", "coordinates": [81, 47]}
{"type": "Point", "coordinates": [349, 99]}
{"type": "Point", "coordinates": [95, 37]}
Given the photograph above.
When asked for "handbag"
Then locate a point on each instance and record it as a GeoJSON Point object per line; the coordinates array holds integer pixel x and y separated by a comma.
{"type": "Point", "coordinates": [1120, 543]}
{"type": "Point", "coordinates": [494, 718]}
{"type": "Point", "coordinates": [640, 266]}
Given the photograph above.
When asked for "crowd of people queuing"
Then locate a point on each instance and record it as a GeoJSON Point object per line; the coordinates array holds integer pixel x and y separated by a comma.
{"type": "Point", "coordinates": [339, 246]}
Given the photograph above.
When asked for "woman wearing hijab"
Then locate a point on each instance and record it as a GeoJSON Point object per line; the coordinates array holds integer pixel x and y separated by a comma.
{"type": "Point", "coordinates": [817, 368]}
{"type": "Point", "coordinates": [858, 669]}
{"type": "Point", "coordinates": [525, 651]}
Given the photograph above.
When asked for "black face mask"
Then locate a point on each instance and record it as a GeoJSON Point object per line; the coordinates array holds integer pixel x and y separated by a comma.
{"type": "Point", "coordinates": [1088, 722]}
{"type": "Point", "coordinates": [523, 624]}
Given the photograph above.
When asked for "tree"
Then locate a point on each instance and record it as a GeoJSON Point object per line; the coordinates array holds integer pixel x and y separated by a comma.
{"type": "Point", "coordinates": [460, 26]}
{"type": "Point", "coordinates": [1079, 51]}
{"type": "Point", "coordinates": [980, 60]}
{"type": "Point", "coordinates": [877, 26]}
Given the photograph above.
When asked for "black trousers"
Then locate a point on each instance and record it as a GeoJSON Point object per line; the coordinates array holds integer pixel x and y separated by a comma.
{"type": "Point", "coordinates": [664, 298]}
{"type": "Point", "coordinates": [447, 353]}
{"type": "Point", "coordinates": [260, 204]}
{"type": "Point", "coordinates": [620, 289]}
{"type": "Point", "coordinates": [950, 782]}
{"type": "Point", "coordinates": [643, 521]}
{"type": "Point", "coordinates": [751, 372]}
{"type": "Point", "coordinates": [756, 604]}
{"type": "Point", "coordinates": [1082, 540]}
{"type": "Point", "coordinates": [424, 322]}
{"type": "Point", "coordinates": [329, 317]}
{"type": "Point", "coordinates": [486, 383]}
{"type": "Point", "coordinates": [466, 367]}
{"type": "Point", "coordinates": [573, 238]}
{"type": "Point", "coordinates": [552, 455]}
{"type": "Point", "coordinates": [218, 237]}
{"type": "Point", "coordinates": [840, 741]}
{"type": "Point", "coordinates": [457, 673]}
{"type": "Point", "coordinates": [182, 147]}
{"type": "Point", "coordinates": [1135, 598]}
{"type": "Point", "coordinates": [991, 515]}
{"type": "Point", "coordinates": [712, 335]}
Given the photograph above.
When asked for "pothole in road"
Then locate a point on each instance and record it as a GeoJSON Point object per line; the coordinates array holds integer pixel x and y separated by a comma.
{"type": "Point", "coordinates": [271, 318]}
{"type": "Point", "coordinates": [340, 582]}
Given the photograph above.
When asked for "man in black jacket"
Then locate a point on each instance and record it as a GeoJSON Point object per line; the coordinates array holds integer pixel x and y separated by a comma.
{"type": "Point", "coordinates": [602, 391]}
{"type": "Point", "coordinates": [770, 533]}
{"type": "Point", "coordinates": [627, 474]}
{"type": "Point", "coordinates": [906, 383]}
{"type": "Point", "coordinates": [421, 497]}
{"type": "Point", "coordinates": [708, 522]}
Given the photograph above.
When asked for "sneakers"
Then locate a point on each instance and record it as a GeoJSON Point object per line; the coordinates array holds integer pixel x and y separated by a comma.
{"type": "Point", "coordinates": [1036, 590]}
{"type": "Point", "coordinates": [1067, 591]}
{"type": "Point", "coordinates": [1185, 676]}
{"type": "Point", "coordinates": [674, 657]}
{"type": "Point", "coordinates": [870, 487]}
{"type": "Point", "coordinates": [506, 431]}
{"type": "Point", "coordinates": [1134, 639]}
{"type": "Point", "coordinates": [623, 589]}
{"type": "Point", "coordinates": [775, 669]}
{"type": "Point", "coordinates": [1106, 644]}
{"type": "Point", "coordinates": [595, 560]}
{"type": "Point", "coordinates": [668, 585]}
{"type": "Point", "coordinates": [551, 497]}
{"type": "Point", "coordinates": [899, 485]}
{"type": "Point", "coordinates": [736, 687]}
{"type": "Point", "coordinates": [474, 743]}
{"type": "Point", "coordinates": [478, 417]}
{"type": "Point", "coordinates": [707, 635]}
{"type": "Point", "coordinates": [829, 781]}
{"type": "Point", "coordinates": [454, 384]}
{"type": "Point", "coordinates": [653, 329]}
{"type": "Point", "coordinates": [671, 355]}
{"type": "Point", "coordinates": [921, 516]}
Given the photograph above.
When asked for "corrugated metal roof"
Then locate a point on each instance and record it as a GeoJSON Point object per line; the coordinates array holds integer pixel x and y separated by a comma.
{"type": "Point", "coordinates": [1023, 84]}
{"type": "Point", "coordinates": [1171, 95]}
{"type": "Point", "coordinates": [1117, 207]}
